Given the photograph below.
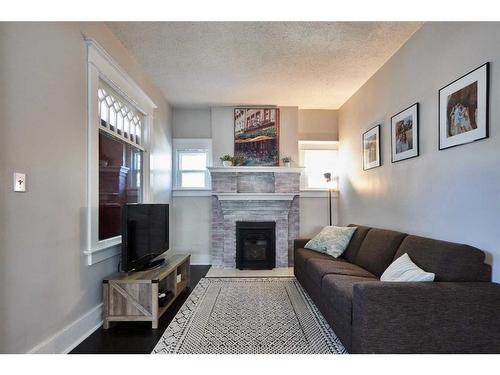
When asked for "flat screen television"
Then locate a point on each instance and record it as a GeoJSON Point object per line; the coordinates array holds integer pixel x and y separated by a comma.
{"type": "Point", "coordinates": [144, 235]}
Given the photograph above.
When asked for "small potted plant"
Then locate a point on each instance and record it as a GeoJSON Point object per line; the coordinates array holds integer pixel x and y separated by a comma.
{"type": "Point", "coordinates": [286, 161]}
{"type": "Point", "coordinates": [238, 160]}
{"type": "Point", "coordinates": [227, 160]}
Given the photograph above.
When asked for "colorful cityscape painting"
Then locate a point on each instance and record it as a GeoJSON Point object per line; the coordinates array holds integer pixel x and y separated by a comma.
{"type": "Point", "coordinates": [256, 135]}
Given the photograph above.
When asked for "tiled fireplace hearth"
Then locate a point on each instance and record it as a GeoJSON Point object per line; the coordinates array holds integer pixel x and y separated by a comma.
{"type": "Point", "coordinates": [254, 194]}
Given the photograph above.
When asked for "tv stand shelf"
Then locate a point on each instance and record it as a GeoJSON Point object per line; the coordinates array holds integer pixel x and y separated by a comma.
{"type": "Point", "coordinates": [133, 296]}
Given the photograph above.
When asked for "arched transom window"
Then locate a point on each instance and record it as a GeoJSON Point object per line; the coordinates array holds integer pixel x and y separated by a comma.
{"type": "Point", "coordinates": [119, 117]}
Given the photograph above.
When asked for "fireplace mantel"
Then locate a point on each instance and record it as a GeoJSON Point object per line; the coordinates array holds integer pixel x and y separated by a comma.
{"type": "Point", "coordinates": [248, 169]}
{"type": "Point", "coordinates": [255, 196]}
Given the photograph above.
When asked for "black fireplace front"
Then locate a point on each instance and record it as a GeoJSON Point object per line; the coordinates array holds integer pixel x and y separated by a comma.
{"type": "Point", "coordinates": [255, 245]}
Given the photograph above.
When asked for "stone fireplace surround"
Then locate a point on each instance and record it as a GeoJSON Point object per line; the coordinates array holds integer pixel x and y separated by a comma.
{"type": "Point", "coordinates": [254, 194]}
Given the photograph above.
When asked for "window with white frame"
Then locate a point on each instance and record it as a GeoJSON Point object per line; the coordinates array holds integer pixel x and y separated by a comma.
{"type": "Point", "coordinates": [192, 157]}
{"type": "Point", "coordinates": [119, 113]}
{"type": "Point", "coordinates": [318, 158]}
{"type": "Point", "coordinates": [192, 173]}
{"type": "Point", "coordinates": [120, 159]}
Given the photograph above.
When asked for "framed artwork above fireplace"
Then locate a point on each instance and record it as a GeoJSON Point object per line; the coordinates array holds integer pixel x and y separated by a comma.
{"type": "Point", "coordinates": [256, 135]}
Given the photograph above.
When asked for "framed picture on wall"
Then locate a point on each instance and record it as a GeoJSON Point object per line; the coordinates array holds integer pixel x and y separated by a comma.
{"type": "Point", "coordinates": [463, 109]}
{"type": "Point", "coordinates": [404, 134]}
{"type": "Point", "coordinates": [256, 135]}
{"type": "Point", "coordinates": [371, 148]}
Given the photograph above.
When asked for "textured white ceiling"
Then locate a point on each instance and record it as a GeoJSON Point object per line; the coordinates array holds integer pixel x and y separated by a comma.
{"type": "Point", "coordinates": [305, 64]}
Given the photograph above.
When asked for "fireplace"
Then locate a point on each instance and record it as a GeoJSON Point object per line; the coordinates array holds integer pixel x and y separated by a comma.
{"type": "Point", "coordinates": [255, 245]}
{"type": "Point", "coordinates": [254, 195]}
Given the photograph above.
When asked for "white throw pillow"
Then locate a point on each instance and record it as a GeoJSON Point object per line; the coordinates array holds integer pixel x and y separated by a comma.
{"type": "Point", "coordinates": [403, 269]}
{"type": "Point", "coordinates": [332, 240]}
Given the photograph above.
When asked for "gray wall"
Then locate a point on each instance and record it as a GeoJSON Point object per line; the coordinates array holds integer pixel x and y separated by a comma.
{"type": "Point", "coordinates": [314, 214]}
{"type": "Point", "coordinates": [45, 284]}
{"type": "Point", "coordinates": [452, 194]}
{"type": "Point", "coordinates": [192, 123]}
{"type": "Point", "coordinates": [222, 132]}
{"type": "Point", "coordinates": [318, 125]}
{"type": "Point", "coordinates": [192, 213]}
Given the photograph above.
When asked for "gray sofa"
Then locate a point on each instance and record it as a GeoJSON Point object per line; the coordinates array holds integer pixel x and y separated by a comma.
{"type": "Point", "coordinates": [458, 313]}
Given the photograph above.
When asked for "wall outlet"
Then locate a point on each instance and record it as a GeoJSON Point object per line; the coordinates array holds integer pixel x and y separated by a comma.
{"type": "Point", "coordinates": [19, 182]}
{"type": "Point", "coordinates": [179, 278]}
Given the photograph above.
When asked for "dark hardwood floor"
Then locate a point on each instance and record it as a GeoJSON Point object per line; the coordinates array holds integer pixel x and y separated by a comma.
{"type": "Point", "coordinates": [136, 337]}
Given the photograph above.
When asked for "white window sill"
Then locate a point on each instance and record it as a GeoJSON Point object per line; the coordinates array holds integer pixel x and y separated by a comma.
{"type": "Point", "coordinates": [317, 193]}
{"type": "Point", "coordinates": [192, 192]}
{"type": "Point", "coordinates": [104, 250]}
{"type": "Point", "coordinates": [305, 193]}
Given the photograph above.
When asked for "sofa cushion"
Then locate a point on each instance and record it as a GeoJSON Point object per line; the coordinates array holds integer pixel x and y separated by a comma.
{"type": "Point", "coordinates": [318, 268]}
{"type": "Point", "coordinates": [303, 255]}
{"type": "Point", "coordinates": [337, 292]}
{"type": "Point", "coordinates": [449, 261]}
{"type": "Point", "coordinates": [378, 249]}
{"type": "Point", "coordinates": [356, 241]}
{"type": "Point", "coordinates": [312, 290]}
{"type": "Point", "coordinates": [299, 243]}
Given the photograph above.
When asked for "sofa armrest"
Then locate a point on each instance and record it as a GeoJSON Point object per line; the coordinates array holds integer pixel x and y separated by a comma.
{"type": "Point", "coordinates": [300, 243]}
{"type": "Point", "coordinates": [440, 317]}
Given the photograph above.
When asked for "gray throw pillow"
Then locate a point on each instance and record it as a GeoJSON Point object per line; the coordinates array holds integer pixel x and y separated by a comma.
{"type": "Point", "coordinates": [332, 240]}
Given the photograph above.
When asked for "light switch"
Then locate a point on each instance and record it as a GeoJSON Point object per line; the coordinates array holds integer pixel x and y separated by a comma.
{"type": "Point", "coordinates": [19, 182]}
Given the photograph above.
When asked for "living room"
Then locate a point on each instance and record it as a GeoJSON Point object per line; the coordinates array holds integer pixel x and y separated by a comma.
{"type": "Point", "coordinates": [226, 187]}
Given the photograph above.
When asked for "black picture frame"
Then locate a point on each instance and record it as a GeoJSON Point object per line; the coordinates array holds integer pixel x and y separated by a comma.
{"type": "Point", "coordinates": [378, 162]}
{"type": "Point", "coordinates": [416, 127]}
{"type": "Point", "coordinates": [484, 131]}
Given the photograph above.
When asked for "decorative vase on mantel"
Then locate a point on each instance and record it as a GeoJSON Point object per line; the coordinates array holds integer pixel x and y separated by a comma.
{"type": "Point", "coordinates": [227, 160]}
{"type": "Point", "coordinates": [287, 161]}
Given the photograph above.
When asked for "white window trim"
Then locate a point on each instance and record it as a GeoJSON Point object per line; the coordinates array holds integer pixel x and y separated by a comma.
{"type": "Point", "coordinates": [194, 144]}
{"type": "Point", "coordinates": [101, 66]}
{"type": "Point", "coordinates": [192, 193]}
{"type": "Point", "coordinates": [116, 132]}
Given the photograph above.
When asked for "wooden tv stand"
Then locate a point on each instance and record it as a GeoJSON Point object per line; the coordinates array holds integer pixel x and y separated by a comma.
{"type": "Point", "coordinates": [133, 296]}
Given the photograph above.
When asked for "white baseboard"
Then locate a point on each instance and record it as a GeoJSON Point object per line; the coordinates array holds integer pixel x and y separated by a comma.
{"type": "Point", "coordinates": [200, 260]}
{"type": "Point", "coordinates": [73, 334]}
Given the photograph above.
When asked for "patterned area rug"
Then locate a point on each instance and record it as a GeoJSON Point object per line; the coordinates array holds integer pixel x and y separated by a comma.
{"type": "Point", "coordinates": [249, 316]}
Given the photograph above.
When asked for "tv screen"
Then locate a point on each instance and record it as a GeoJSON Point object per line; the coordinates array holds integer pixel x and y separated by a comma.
{"type": "Point", "coordinates": [144, 234]}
